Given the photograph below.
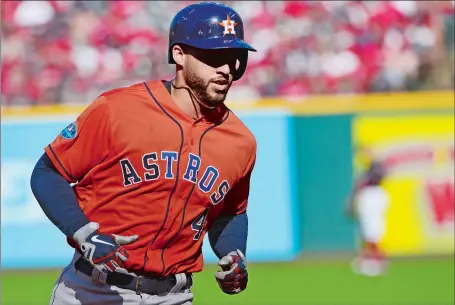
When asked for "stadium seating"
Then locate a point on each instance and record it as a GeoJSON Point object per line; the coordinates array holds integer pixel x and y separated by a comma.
{"type": "Point", "coordinates": [70, 51]}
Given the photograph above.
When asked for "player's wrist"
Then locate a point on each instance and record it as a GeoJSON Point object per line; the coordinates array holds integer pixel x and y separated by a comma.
{"type": "Point", "coordinates": [238, 253]}
{"type": "Point", "coordinates": [81, 235]}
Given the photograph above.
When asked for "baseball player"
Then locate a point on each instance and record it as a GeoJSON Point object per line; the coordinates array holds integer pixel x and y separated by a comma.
{"type": "Point", "coordinates": [369, 204]}
{"type": "Point", "coordinates": [145, 171]}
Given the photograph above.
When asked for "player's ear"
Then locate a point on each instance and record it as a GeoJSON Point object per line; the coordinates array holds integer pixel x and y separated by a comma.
{"type": "Point", "coordinates": [178, 54]}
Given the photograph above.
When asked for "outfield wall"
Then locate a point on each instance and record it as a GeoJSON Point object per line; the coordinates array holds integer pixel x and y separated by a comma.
{"type": "Point", "coordinates": [304, 171]}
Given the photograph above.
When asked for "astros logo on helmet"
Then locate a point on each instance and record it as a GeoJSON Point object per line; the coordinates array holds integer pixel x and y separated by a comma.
{"type": "Point", "coordinates": [229, 26]}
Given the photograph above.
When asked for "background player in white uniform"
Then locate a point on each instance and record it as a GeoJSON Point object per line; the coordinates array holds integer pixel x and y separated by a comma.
{"type": "Point", "coordinates": [369, 205]}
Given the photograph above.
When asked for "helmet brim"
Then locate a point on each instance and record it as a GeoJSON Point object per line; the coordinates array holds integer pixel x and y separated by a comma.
{"type": "Point", "coordinates": [219, 43]}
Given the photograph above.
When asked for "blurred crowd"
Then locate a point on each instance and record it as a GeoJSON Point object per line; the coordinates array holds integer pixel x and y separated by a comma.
{"type": "Point", "coordinates": [71, 51]}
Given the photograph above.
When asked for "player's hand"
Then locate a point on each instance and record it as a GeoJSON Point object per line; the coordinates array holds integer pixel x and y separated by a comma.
{"type": "Point", "coordinates": [234, 277]}
{"type": "Point", "coordinates": [103, 251]}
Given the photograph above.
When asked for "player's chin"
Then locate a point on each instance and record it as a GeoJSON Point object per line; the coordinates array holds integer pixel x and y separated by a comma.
{"type": "Point", "coordinates": [217, 97]}
{"type": "Point", "coordinates": [218, 100]}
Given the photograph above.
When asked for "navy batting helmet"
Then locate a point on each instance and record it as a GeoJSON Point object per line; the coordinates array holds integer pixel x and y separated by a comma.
{"type": "Point", "coordinates": [209, 25]}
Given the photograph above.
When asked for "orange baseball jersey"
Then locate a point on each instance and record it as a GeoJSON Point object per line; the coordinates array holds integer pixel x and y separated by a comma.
{"type": "Point", "coordinates": [144, 167]}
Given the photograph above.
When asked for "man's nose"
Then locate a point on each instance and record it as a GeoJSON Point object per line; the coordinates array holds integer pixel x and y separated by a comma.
{"type": "Point", "coordinates": [224, 69]}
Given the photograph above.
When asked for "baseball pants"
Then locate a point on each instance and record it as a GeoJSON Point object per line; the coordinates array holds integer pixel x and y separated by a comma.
{"type": "Point", "coordinates": [372, 205]}
{"type": "Point", "coordinates": [76, 288]}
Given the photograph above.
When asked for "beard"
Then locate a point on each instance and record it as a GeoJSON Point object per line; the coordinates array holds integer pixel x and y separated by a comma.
{"type": "Point", "coordinates": [200, 88]}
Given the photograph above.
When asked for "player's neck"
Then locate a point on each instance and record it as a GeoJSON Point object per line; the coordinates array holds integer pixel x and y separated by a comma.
{"type": "Point", "coordinates": [186, 102]}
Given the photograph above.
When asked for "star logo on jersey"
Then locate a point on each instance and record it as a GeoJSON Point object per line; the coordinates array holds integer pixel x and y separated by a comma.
{"type": "Point", "coordinates": [69, 132]}
{"type": "Point", "coordinates": [229, 26]}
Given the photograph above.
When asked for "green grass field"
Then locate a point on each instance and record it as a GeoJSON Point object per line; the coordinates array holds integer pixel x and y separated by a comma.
{"type": "Point", "coordinates": [306, 282]}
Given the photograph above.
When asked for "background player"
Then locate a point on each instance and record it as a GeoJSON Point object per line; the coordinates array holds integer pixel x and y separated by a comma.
{"type": "Point", "coordinates": [368, 205]}
{"type": "Point", "coordinates": [155, 166]}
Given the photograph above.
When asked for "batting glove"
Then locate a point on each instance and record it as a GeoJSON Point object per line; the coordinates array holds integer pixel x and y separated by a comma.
{"type": "Point", "coordinates": [103, 251]}
{"type": "Point", "coordinates": [234, 277]}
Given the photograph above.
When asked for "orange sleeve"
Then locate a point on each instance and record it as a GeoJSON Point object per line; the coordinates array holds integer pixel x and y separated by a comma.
{"type": "Point", "coordinates": [236, 201]}
{"type": "Point", "coordinates": [82, 144]}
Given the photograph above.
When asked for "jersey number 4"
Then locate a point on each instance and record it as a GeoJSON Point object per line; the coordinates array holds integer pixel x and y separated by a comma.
{"type": "Point", "coordinates": [198, 224]}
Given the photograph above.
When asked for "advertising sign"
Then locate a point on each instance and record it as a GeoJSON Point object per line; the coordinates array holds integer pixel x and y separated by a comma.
{"type": "Point", "coordinates": [418, 153]}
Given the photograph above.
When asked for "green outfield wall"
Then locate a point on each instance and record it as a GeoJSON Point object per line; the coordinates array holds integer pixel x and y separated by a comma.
{"type": "Point", "coordinates": [324, 176]}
